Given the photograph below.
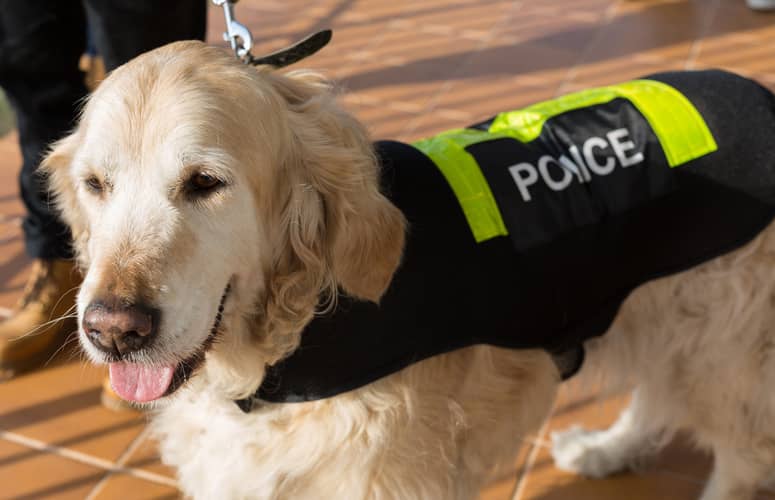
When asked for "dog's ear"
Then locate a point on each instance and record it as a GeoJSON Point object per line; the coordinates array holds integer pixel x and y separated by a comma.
{"type": "Point", "coordinates": [358, 232]}
{"type": "Point", "coordinates": [55, 168]}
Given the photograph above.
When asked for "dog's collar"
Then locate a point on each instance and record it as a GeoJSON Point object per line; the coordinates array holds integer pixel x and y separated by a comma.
{"type": "Point", "coordinates": [246, 405]}
{"type": "Point", "coordinates": [568, 363]}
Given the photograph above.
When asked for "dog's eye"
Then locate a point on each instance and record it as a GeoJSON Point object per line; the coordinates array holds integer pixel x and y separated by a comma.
{"type": "Point", "coordinates": [94, 185]}
{"type": "Point", "coordinates": [201, 183]}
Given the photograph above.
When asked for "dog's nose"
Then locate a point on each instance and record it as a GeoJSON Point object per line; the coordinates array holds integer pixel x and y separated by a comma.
{"type": "Point", "coordinates": [119, 328]}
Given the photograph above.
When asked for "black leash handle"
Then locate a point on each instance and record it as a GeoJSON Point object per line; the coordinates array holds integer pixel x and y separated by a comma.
{"type": "Point", "coordinates": [294, 53]}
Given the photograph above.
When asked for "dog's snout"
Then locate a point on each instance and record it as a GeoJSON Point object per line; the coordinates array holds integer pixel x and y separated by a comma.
{"type": "Point", "coordinates": [119, 328]}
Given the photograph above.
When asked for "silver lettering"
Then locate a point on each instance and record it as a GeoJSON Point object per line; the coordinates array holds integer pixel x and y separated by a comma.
{"type": "Point", "coordinates": [568, 164]}
{"type": "Point", "coordinates": [621, 147]}
{"type": "Point", "coordinates": [576, 154]}
{"type": "Point", "coordinates": [579, 163]}
{"type": "Point", "coordinates": [543, 167]}
{"type": "Point", "coordinates": [524, 181]}
{"type": "Point", "coordinates": [594, 166]}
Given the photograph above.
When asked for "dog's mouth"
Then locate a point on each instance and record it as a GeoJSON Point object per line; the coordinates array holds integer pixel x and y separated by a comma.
{"type": "Point", "coordinates": [143, 383]}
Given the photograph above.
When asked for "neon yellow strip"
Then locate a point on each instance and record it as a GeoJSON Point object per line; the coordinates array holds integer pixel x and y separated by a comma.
{"type": "Point", "coordinates": [678, 125]}
{"type": "Point", "coordinates": [447, 150]}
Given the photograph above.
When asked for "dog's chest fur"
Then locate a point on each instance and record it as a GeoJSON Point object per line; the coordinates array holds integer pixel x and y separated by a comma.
{"type": "Point", "coordinates": [351, 446]}
{"type": "Point", "coordinates": [221, 452]}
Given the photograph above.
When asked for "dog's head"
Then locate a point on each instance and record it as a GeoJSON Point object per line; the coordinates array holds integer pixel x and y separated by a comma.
{"type": "Point", "coordinates": [213, 206]}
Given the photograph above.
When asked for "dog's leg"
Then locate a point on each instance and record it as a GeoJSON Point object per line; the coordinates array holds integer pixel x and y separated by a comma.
{"type": "Point", "coordinates": [634, 435]}
{"type": "Point", "coordinates": [736, 475]}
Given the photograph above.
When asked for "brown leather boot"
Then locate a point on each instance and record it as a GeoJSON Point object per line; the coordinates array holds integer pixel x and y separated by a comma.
{"type": "Point", "coordinates": [94, 70]}
{"type": "Point", "coordinates": [42, 320]}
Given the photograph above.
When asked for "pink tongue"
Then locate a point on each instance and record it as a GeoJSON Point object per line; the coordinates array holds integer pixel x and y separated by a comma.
{"type": "Point", "coordinates": [140, 383]}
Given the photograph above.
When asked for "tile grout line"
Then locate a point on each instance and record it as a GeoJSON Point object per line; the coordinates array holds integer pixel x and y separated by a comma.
{"type": "Point", "coordinates": [683, 477]}
{"type": "Point", "coordinates": [694, 51]}
{"type": "Point", "coordinates": [120, 462]}
{"type": "Point", "coordinates": [522, 479]}
{"type": "Point", "coordinates": [84, 458]}
{"type": "Point", "coordinates": [573, 72]}
{"type": "Point", "coordinates": [541, 443]}
{"type": "Point", "coordinates": [403, 106]}
{"type": "Point", "coordinates": [11, 219]}
{"type": "Point", "coordinates": [412, 26]}
{"type": "Point", "coordinates": [432, 103]}
{"type": "Point", "coordinates": [409, 25]}
{"type": "Point", "coordinates": [354, 60]}
{"type": "Point", "coordinates": [345, 93]}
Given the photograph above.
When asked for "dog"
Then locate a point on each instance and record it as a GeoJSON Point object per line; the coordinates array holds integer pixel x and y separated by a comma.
{"type": "Point", "coordinates": [219, 211]}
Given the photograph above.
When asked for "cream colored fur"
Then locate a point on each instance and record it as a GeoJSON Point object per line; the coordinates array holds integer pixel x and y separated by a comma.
{"type": "Point", "coordinates": [300, 215]}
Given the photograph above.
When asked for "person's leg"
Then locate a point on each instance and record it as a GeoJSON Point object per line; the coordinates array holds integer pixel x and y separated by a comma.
{"type": "Point", "coordinates": [40, 43]}
{"type": "Point", "coordinates": [123, 29]}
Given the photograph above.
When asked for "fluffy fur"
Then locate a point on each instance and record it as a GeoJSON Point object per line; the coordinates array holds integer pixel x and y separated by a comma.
{"type": "Point", "coordinates": [299, 215]}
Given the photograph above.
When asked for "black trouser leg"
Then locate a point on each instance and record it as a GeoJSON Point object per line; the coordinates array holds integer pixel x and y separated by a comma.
{"type": "Point", "coordinates": [40, 44]}
{"type": "Point", "coordinates": [123, 29]}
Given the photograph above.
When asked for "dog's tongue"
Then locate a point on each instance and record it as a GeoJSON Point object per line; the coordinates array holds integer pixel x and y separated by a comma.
{"type": "Point", "coordinates": [140, 383]}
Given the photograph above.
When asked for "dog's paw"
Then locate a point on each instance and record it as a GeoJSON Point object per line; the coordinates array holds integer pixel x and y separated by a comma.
{"type": "Point", "coordinates": [588, 453]}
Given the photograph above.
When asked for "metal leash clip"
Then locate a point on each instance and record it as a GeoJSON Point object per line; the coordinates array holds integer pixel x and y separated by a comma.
{"type": "Point", "coordinates": [238, 35]}
{"type": "Point", "coordinates": [241, 40]}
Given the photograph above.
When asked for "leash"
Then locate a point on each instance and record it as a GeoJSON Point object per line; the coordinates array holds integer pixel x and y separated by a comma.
{"type": "Point", "coordinates": [241, 40]}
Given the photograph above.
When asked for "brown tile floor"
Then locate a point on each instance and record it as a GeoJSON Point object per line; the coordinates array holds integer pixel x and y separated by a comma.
{"type": "Point", "coordinates": [409, 69]}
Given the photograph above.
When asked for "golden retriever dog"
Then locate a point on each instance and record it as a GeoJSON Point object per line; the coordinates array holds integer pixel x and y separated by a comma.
{"type": "Point", "coordinates": [217, 207]}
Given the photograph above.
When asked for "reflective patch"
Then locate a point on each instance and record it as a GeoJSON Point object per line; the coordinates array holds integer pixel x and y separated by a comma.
{"type": "Point", "coordinates": [447, 150]}
{"type": "Point", "coordinates": [675, 126]}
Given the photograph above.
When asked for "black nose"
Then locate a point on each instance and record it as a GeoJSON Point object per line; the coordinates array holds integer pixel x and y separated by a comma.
{"type": "Point", "coordinates": [119, 328]}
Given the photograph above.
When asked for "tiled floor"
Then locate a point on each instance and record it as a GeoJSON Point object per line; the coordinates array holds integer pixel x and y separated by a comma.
{"type": "Point", "coordinates": [409, 69]}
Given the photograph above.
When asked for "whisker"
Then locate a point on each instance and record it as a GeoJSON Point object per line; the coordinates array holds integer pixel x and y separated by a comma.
{"type": "Point", "coordinates": [68, 339]}
{"type": "Point", "coordinates": [42, 326]}
{"type": "Point", "coordinates": [63, 296]}
{"type": "Point", "coordinates": [73, 357]}
{"type": "Point", "coordinates": [69, 313]}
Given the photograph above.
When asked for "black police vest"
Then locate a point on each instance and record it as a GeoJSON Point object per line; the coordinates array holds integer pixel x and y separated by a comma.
{"type": "Point", "coordinates": [530, 229]}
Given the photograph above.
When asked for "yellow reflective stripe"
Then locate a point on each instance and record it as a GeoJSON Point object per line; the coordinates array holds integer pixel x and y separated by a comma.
{"type": "Point", "coordinates": [447, 150]}
{"type": "Point", "coordinates": [678, 125]}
